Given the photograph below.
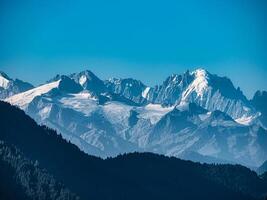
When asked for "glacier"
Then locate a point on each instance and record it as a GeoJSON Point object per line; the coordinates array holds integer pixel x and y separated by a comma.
{"type": "Point", "coordinates": [193, 115]}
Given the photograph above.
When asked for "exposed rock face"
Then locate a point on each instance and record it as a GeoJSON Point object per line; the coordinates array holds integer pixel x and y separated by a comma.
{"type": "Point", "coordinates": [196, 113]}
{"type": "Point", "coordinates": [9, 87]}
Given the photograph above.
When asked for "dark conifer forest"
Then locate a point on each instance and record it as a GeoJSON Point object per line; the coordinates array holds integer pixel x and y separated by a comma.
{"type": "Point", "coordinates": [36, 163]}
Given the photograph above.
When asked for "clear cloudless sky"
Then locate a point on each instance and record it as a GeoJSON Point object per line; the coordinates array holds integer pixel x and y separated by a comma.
{"type": "Point", "coordinates": [142, 39]}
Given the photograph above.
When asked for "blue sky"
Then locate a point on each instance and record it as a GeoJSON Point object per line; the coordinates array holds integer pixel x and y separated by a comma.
{"type": "Point", "coordinates": [146, 40]}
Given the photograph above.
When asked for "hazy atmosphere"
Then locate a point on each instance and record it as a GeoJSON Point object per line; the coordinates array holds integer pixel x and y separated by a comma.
{"type": "Point", "coordinates": [144, 40]}
{"type": "Point", "coordinates": [133, 100]}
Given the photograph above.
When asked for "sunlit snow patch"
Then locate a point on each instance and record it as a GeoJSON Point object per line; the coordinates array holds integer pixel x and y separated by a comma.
{"type": "Point", "coordinates": [199, 85]}
{"type": "Point", "coordinates": [154, 112]}
{"type": "Point", "coordinates": [247, 120]}
{"type": "Point", "coordinates": [145, 92]}
{"type": "Point", "coordinates": [24, 98]}
{"type": "Point", "coordinates": [82, 79]}
{"type": "Point", "coordinates": [3, 82]}
{"type": "Point", "coordinates": [83, 102]}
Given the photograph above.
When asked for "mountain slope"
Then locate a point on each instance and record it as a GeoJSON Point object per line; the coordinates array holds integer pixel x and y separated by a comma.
{"type": "Point", "coordinates": [131, 89]}
{"type": "Point", "coordinates": [9, 87]}
{"type": "Point", "coordinates": [216, 93]}
{"type": "Point", "coordinates": [259, 101]}
{"type": "Point", "coordinates": [263, 168]}
{"type": "Point", "coordinates": [132, 176]}
{"type": "Point", "coordinates": [194, 129]}
{"type": "Point", "coordinates": [106, 118]}
{"type": "Point", "coordinates": [89, 81]}
{"type": "Point", "coordinates": [170, 91]}
{"type": "Point", "coordinates": [201, 87]}
{"type": "Point", "coordinates": [23, 179]}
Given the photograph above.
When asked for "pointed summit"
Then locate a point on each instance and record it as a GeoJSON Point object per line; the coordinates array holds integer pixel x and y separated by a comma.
{"type": "Point", "coordinates": [4, 75]}
{"type": "Point", "coordinates": [169, 92]}
{"type": "Point", "coordinates": [200, 71]}
{"type": "Point", "coordinates": [199, 84]}
{"type": "Point", "coordinates": [89, 81]}
{"type": "Point", "coordinates": [68, 85]}
{"type": "Point", "coordinates": [9, 87]}
{"type": "Point", "coordinates": [85, 76]}
{"type": "Point", "coordinates": [213, 92]}
{"type": "Point", "coordinates": [4, 80]}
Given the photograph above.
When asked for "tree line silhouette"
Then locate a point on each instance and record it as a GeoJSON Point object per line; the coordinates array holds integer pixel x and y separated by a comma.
{"type": "Point", "coordinates": [37, 163]}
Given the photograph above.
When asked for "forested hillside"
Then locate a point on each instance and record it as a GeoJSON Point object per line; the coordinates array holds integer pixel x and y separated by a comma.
{"type": "Point", "coordinates": [51, 161]}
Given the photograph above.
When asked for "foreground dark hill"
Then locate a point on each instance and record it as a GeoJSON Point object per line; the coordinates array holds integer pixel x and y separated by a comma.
{"type": "Point", "coordinates": [24, 179]}
{"type": "Point", "coordinates": [263, 168]}
{"type": "Point", "coordinates": [131, 176]}
{"type": "Point", "coordinates": [116, 116]}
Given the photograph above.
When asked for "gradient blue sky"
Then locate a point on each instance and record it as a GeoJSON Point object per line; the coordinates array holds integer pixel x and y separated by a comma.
{"type": "Point", "coordinates": [146, 40]}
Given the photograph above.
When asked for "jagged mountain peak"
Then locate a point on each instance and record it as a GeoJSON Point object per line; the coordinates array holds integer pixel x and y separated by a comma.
{"type": "Point", "coordinates": [260, 94]}
{"type": "Point", "coordinates": [9, 87]}
{"type": "Point", "coordinates": [130, 88]}
{"type": "Point", "coordinates": [65, 83]}
{"type": "Point", "coordinates": [127, 81]}
{"type": "Point", "coordinates": [89, 81]}
{"type": "Point", "coordinates": [169, 92]}
{"type": "Point", "coordinates": [86, 73]}
{"type": "Point", "coordinates": [80, 77]}
{"type": "Point", "coordinates": [204, 79]}
{"type": "Point", "coordinates": [113, 80]}
{"type": "Point", "coordinates": [214, 92]}
{"type": "Point", "coordinates": [259, 101]}
{"type": "Point", "coordinates": [68, 85]}
{"type": "Point", "coordinates": [201, 79]}
{"type": "Point", "coordinates": [84, 76]}
{"type": "Point", "coordinates": [187, 77]}
{"type": "Point", "coordinates": [4, 80]}
{"type": "Point", "coordinates": [199, 84]}
{"type": "Point", "coordinates": [177, 78]}
{"type": "Point", "coordinates": [173, 77]}
{"type": "Point", "coordinates": [154, 118]}
{"type": "Point", "coordinates": [200, 72]}
{"type": "Point", "coordinates": [4, 75]}
{"type": "Point", "coordinates": [227, 88]}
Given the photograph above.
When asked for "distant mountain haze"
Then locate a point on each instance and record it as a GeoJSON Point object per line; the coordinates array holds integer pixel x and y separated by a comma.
{"type": "Point", "coordinates": [194, 113]}
{"type": "Point", "coordinates": [37, 163]}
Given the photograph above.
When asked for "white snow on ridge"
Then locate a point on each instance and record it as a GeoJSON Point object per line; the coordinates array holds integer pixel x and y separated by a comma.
{"type": "Point", "coordinates": [210, 148]}
{"type": "Point", "coordinates": [205, 116]}
{"type": "Point", "coordinates": [3, 82]}
{"type": "Point", "coordinates": [116, 127]}
{"type": "Point", "coordinates": [199, 85]}
{"type": "Point", "coordinates": [247, 120]}
{"type": "Point", "coordinates": [117, 113]}
{"type": "Point", "coordinates": [154, 112]}
{"type": "Point", "coordinates": [145, 92]}
{"type": "Point", "coordinates": [82, 102]}
{"type": "Point", "coordinates": [82, 80]}
{"type": "Point", "coordinates": [24, 98]}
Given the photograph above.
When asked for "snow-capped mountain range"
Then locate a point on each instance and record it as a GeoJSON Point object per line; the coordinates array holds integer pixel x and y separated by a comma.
{"type": "Point", "coordinates": [9, 87]}
{"type": "Point", "coordinates": [196, 115]}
